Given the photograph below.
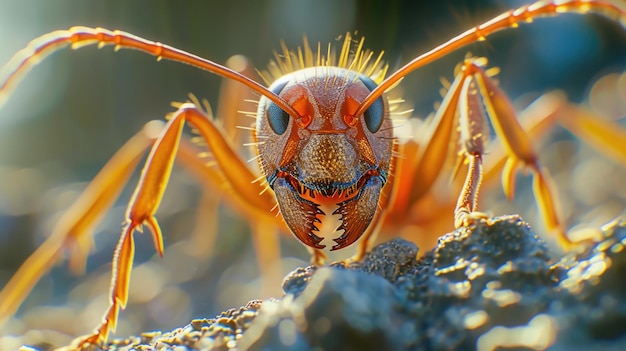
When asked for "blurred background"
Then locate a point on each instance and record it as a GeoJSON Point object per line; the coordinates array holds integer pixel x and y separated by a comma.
{"type": "Point", "coordinates": [74, 110]}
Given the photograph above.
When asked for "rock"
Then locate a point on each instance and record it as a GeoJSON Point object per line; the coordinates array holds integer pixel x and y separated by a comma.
{"type": "Point", "coordinates": [490, 285]}
{"type": "Point", "coordinates": [361, 308]}
{"type": "Point", "coordinates": [592, 311]}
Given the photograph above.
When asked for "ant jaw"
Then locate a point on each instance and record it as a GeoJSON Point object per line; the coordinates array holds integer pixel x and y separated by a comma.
{"type": "Point", "coordinates": [300, 214]}
{"type": "Point", "coordinates": [300, 207]}
{"type": "Point", "coordinates": [357, 212]}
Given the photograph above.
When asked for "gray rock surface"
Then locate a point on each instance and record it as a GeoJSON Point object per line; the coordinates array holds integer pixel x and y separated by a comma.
{"type": "Point", "coordinates": [491, 285]}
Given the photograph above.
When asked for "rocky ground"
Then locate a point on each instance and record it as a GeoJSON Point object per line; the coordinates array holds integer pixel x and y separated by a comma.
{"type": "Point", "coordinates": [492, 285]}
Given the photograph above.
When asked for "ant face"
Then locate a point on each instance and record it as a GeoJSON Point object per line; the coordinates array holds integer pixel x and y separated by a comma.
{"type": "Point", "coordinates": [326, 157]}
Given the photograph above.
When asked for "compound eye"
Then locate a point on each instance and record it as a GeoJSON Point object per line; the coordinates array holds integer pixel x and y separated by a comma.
{"type": "Point", "coordinates": [277, 117]}
{"type": "Point", "coordinates": [374, 114]}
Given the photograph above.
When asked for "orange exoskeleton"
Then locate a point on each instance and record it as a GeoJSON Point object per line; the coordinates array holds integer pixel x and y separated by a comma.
{"type": "Point", "coordinates": [325, 144]}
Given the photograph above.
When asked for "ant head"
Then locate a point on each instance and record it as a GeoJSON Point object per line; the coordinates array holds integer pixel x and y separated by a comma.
{"type": "Point", "coordinates": [327, 154]}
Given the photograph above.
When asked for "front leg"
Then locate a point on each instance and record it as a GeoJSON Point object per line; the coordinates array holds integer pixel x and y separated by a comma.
{"type": "Point", "coordinates": [149, 192]}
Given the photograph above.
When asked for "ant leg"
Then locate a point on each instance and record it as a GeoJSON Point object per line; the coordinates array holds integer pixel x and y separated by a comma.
{"type": "Point", "coordinates": [149, 192]}
{"type": "Point", "coordinates": [74, 230]}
